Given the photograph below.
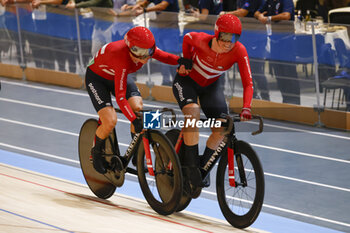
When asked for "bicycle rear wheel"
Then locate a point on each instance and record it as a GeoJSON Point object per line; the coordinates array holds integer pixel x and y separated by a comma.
{"type": "Point", "coordinates": [186, 199]}
{"type": "Point", "coordinates": [242, 204]}
{"type": "Point", "coordinates": [163, 190]}
{"type": "Point", "coordinates": [98, 183]}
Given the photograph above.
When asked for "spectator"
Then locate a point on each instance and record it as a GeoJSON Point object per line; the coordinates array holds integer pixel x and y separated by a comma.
{"type": "Point", "coordinates": [209, 7]}
{"type": "Point", "coordinates": [100, 34]}
{"type": "Point", "coordinates": [285, 74]}
{"type": "Point", "coordinates": [67, 51]}
{"type": "Point", "coordinates": [160, 5]}
{"type": "Point", "coordinates": [11, 19]}
{"type": "Point", "coordinates": [229, 5]}
{"type": "Point", "coordinates": [190, 5]}
{"type": "Point", "coordinates": [89, 3]}
{"type": "Point", "coordinates": [247, 8]}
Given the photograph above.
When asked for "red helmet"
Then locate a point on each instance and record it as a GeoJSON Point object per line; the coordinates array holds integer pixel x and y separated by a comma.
{"type": "Point", "coordinates": [228, 23]}
{"type": "Point", "coordinates": [140, 42]}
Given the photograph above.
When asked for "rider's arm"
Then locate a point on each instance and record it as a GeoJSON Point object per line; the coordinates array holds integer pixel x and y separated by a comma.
{"type": "Point", "coordinates": [120, 94]}
{"type": "Point", "coordinates": [246, 75]}
{"type": "Point", "coordinates": [187, 45]}
{"type": "Point", "coordinates": [165, 57]}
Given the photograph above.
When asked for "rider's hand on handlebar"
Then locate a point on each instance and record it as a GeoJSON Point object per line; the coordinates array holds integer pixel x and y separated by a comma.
{"type": "Point", "coordinates": [138, 125]}
{"type": "Point", "coordinates": [246, 114]}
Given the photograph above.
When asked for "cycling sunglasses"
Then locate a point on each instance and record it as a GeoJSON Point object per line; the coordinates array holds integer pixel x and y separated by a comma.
{"type": "Point", "coordinates": [142, 53]}
{"type": "Point", "coordinates": [228, 37]}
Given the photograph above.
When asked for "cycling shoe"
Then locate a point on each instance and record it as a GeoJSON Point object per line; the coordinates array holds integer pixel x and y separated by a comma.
{"type": "Point", "coordinates": [98, 161]}
{"type": "Point", "coordinates": [194, 175]}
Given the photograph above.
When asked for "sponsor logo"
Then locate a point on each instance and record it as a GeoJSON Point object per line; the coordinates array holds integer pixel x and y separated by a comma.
{"type": "Point", "coordinates": [155, 120]}
{"type": "Point", "coordinates": [94, 92]}
{"type": "Point", "coordinates": [122, 80]}
{"type": "Point", "coordinates": [152, 120]}
{"type": "Point", "coordinates": [179, 89]}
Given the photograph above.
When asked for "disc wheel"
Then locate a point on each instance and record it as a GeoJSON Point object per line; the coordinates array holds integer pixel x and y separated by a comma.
{"type": "Point", "coordinates": [186, 198]}
{"type": "Point", "coordinates": [99, 184]}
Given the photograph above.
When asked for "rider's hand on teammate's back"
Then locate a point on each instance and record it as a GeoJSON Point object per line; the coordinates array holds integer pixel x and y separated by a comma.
{"type": "Point", "coordinates": [185, 66]}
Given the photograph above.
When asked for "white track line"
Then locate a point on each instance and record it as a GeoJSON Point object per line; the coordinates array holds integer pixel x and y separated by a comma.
{"type": "Point", "coordinates": [293, 212]}
{"type": "Point", "coordinates": [201, 135]}
{"type": "Point", "coordinates": [292, 152]}
{"type": "Point", "coordinates": [149, 105]}
{"type": "Point", "coordinates": [126, 145]}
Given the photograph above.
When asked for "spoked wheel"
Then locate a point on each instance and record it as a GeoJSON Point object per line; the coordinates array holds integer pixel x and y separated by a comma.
{"type": "Point", "coordinates": [99, 184]}
{"type": "Point", "coordinates": [241, 205]}
{"type": "Point", "coordinates": [163, 190]}
{"type": "Point", "coordinates": [185, 200]}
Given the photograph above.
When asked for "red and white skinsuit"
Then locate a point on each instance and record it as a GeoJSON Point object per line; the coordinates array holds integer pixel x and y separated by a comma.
{"type": "Point", "coordinates": [113, 62]}
{"type": "Point", "coordinates": [208, 65]}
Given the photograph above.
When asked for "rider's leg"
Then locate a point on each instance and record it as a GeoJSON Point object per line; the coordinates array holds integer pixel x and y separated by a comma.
{"type": "Point", "coordinates": [214, 105]}
{"type": "Point", "coordinates": [191, 138]}
{"type": "Point", "coordinates": [136, 105]}
{"type": "Point", "coordinates": [99, 90]}
{"type": "Point", "coordinates": [185, 92]}
{"type": "Point", "coordinates": [134, 98]}
{"type": "Point", "coordinates": [213, 142]}
{"type": "Point", "coordinates": [108, 118]}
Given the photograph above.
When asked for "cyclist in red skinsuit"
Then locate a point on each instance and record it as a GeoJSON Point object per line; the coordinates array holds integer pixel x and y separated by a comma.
{"type": "Point", "coordinates": [107, 73]}
{"type": "Point", "coordinates": [211, 56]}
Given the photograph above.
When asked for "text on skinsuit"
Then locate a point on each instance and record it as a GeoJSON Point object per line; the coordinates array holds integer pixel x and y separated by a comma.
{"type": "Point", "coordinates": [215, 154]}
{"type": "Point", "coordinates": [179, 89]}
{"type": "Point", "coordinates": [247, 63]}
{"type": "Point", "coordinates": [94, 92]}
{"type": "Point", "coordinates": [122, 80]}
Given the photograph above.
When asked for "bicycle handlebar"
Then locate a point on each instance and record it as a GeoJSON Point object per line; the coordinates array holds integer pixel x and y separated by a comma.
{"type": "Point", "coordinates": [237, 118]}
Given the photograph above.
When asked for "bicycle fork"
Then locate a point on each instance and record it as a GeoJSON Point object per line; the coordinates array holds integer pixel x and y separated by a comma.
{"type": "Point", "coordinates": [231, 166]}
{"type": "Point", "coordinates": [145, 140]}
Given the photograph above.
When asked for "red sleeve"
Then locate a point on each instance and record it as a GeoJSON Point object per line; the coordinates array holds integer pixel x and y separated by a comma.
{"type": "Point", "coordinates": [165, 57]}
{"type": "Point", "coordinates": [246, 76]}
{"type": "Point", "coordinates": [187, 45]}
{"type": "Point", "coordinates": [120, 93]}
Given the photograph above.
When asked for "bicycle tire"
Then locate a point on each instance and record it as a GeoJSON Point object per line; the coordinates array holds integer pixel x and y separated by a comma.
{"type": "Point", "coordinates": [186, 199]}
{"type": "Point", "coordinates": [247, 211]}
{"type": "Point", "coordinates": [163, 191]}
{"type": "Point", "coordinates": [97, 182]}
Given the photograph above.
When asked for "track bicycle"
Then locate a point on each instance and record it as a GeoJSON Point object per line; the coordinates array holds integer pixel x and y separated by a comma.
{"type": "Point", "coordinates": [240, 183]}
{"type": "Point", "coordinates": [158, 167]}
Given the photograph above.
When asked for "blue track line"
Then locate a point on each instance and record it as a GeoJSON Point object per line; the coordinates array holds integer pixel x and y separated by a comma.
{"type": "Point", "coordinates": [34, 220]}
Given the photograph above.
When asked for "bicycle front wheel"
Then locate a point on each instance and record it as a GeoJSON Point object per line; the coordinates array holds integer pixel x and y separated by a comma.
{"type": "Point", "coordinates": [163, 190]}
{"type": "Point", "coordinates": [241, 204]}
{"type": "Point", "coordinates": [99, 184]}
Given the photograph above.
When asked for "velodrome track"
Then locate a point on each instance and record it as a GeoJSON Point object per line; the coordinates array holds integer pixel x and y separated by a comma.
{"type": "Point", "coordinates": [306, 172]}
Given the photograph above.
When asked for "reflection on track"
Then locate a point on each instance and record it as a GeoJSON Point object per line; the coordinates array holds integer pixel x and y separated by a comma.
{"type": "Point", "coordinates": [70, 207]}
